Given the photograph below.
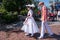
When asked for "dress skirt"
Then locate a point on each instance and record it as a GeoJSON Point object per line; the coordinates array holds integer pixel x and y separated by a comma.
{"type": "Point", "coordinates": [30, 26]}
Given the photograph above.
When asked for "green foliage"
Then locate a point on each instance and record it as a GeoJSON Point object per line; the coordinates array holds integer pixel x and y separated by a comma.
{"type": "Point", "coordinates": [9, 16]}
{"type": "Point", "coordinates": [35, 10]}
{"type": "Point", "coordinates": [2, 10]}
{"type": "Point", "coordinates": [23, 12]}
{"type": "Point", "coordinates": [29, 1]}
{"type": "Point", "coordinates": [14, 5]}
{"type": "Point", "coordinates": [36, 15]}
{"type": "Point", "coordinates": [10, 5]}
{"type": "Point", "coordinates": [10, 8]}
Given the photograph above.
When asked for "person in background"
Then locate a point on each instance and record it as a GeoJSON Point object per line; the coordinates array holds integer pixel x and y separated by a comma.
{"type": "Point", "coordinates": [58, 14]}
{"type": "Point", "coordinates": [55, 14]}
{"type": "Point", "coordinates": [44, 24]}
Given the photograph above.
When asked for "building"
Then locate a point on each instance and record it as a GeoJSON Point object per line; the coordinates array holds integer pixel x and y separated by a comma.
{"type": "Point", "coordinates": [55, 5]}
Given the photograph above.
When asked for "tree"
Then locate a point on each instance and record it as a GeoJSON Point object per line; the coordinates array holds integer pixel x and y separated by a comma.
{"type": "Point", "coordinates": [11, 5]}
{"type": "Point", "coordinates": [15, 5]}
{"type": "Point", "coordinates": [11, 8]}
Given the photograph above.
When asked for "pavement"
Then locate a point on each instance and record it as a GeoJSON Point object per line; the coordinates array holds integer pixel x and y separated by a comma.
{"type": "Point", "coordinates": [17, 34]}
{"type": "Point", "coordinates": [13, 32]}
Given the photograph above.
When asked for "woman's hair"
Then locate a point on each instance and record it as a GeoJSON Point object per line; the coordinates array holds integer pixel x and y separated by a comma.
{"type": "Point", "coordinates": [30, 8]}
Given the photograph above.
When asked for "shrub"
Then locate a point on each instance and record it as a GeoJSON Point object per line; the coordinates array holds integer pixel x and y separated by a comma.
{"type": "Point", "coordinates": [23, 12]}
{"type": "Point", "coordinates": [9, 17]}
{"type": "Point", "coordinates": [2, 10]}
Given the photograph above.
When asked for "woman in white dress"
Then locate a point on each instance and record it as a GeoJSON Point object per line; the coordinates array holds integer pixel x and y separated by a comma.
{"type": "Point", "coordinates": [30, 26]}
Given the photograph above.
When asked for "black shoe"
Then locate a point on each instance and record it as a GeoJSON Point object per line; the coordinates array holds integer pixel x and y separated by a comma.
{"type": "Point", "coordinates": [52, 35]}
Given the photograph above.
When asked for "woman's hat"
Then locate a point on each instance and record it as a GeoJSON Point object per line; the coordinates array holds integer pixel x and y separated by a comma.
{"type": "Point", "coordinates": [30, 5]}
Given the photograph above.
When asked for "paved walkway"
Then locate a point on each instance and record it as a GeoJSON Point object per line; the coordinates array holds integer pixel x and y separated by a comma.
{"type": "Point", "coordinates": [18, 35]}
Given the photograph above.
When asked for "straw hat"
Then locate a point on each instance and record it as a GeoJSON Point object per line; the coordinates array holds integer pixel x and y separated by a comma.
{"type": "Point", "coordinates": [30, 5]}
{"type": "Point", "coordinates": [40, 3]}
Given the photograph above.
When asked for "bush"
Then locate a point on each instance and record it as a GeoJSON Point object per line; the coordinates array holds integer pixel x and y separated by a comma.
{"type": "Point", "coordinates": [9, 17]}
{"type": "Point", "coordinates": [23, 12]}
{"type": "Point", "coordinates": [6, 16]}
{"type": "Point", "coordinates": [2, 10]}
{"type": "Point", "coordinates": [36, 13]}
{"type": "Point", "coordinates": [14, 5]}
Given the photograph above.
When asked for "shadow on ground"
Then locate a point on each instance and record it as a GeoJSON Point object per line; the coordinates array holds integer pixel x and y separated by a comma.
{"type": "Point", "coordinates": [55, 36]}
